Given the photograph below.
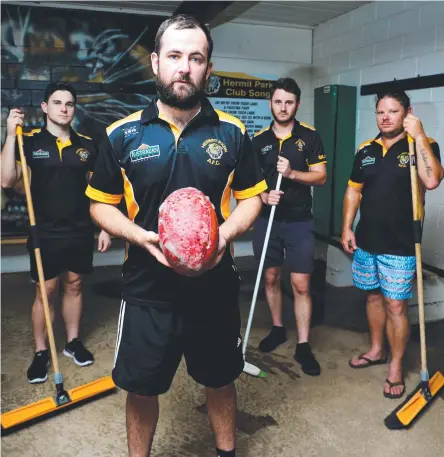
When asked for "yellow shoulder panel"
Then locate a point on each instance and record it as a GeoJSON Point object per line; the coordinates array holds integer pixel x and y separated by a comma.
{"type": "Point", "coordinates": [225, 117]}
{"type": "Point", "coordinates": [132, 117]}
{"type": "Point", "coordinates": [32, 132]}
{"type": "Point", "coordinates": [84, 136]}
{"type": "Point", "coordinates": [365, 143]}
{"type": "Point", "coordinates": [262, 131]}
{"type": "Point", "coordinates": [431, 140]}
{"type": "Point", "coordinates": [307, 126]}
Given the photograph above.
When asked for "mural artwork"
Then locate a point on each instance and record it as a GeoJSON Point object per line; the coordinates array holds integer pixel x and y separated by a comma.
{"type": "Point", "coordinates": [105, 56]}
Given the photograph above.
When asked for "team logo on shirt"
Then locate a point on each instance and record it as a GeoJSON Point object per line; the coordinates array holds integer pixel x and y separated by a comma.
{"type": "Point", "coordinates": [83, 154]}
{"type": "Point", "coordinates": [130, 131]}
{"type": "Point", "coordinates": [403, 159]}
{"type": "Point", "coordinates": [40, 154]}
{"type": "Point", "coordinates": [215, 149]}
{"type": "Point", "coordinates": [300, 144]}
{"type": "Point", "coordinates": [266, 149]}
{"type": "Point", "coordinates": [368, 161]}
{"type": "Point", "coordinates": [145, 152]}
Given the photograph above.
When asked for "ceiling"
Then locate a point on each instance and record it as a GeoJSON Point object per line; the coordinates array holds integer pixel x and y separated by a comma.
{"type": "Point", "coordinates": [276, 13]}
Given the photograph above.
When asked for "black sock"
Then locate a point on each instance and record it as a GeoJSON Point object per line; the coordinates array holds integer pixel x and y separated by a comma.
{"type": "Point", "coordinates": [221, 453]}
{"type": "Point", "coordinates": [276, 337]}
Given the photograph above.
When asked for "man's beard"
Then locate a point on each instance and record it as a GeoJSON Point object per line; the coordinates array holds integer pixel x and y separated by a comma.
{"type": "Point", "coordinates": [393, 134]}
{"type": "Point", "coordinates": [184, 101]}
{"type": "Point", "coordinates": [289, 118]}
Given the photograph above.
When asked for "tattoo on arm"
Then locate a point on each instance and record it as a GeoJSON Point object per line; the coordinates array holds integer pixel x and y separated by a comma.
{"type": "Point", "coordinates": [425, 159]}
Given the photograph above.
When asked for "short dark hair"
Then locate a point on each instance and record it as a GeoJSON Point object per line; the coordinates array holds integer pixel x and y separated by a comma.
{"type": "Point", "coordinates": [287, 84]}
{"type": "Point", "coordinates": [181, 22]}
{"type": "Point", "coordinates": [59, 85]}
{"type": "Point", "coordinates": [398, 95]}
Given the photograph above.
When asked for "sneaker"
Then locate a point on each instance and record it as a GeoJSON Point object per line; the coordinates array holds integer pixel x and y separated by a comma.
{"type": "Point", "coordinates": [306, 359]}
{"type": "Point", "coordinates": [78, 352]}
{"type": "Point", "coordinates": [38, 370]}
{"type": "Point", "coordinates": [276, 337]}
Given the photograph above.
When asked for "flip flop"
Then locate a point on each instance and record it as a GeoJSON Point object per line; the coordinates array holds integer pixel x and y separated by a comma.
{"type": "Point", "coordinates": [369, 362]}
{"type": "Point", "coordinates": [394, 384]}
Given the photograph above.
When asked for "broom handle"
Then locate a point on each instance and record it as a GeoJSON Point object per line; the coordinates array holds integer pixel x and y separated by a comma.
{"type": "Point", "coordinates": [259, 273]}
{"type": "Point", "coordinates": [38, 257]}
{"type": "Point", "coordinates": [419, 281]}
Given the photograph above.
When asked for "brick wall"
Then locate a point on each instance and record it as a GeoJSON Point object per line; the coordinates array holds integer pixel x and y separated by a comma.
{"type": "Point", "coordinates": [379, 42]}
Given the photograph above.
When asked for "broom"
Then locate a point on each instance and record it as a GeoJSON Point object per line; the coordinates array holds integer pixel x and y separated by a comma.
{"type": "Point", "coordinates": [62, 398]}
{"type": "Point", "coordinates": [416, 403]}
{"type": "Point", "coordinates": [248, 367]}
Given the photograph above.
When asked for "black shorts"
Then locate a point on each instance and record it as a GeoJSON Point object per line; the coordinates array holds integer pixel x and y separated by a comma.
{"type": "Point", "coordinates": [204, 327]}
{"type": "Point", "coordinates": [295, 239]}
{"type": "Point", "coordinates": [60, 255]}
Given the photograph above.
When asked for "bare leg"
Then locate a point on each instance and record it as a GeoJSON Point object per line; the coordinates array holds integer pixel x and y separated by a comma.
{"type": "Point", "coordinates": [274, 294]}
{"type": "Point", "coordinates": [376, 316]}
{"type": "Point", "coordinates": [221, 404]}
{"type": "Point", "coordinates": [142, 414]}
{"type": "Point", "coordinates": [300, 284]}
{"type": "Point", "coordinates": [398, 330]}
{"type": "Point", "coordinates": [72, 300]}
{"type": "Point", "coordinates": [38, 314]}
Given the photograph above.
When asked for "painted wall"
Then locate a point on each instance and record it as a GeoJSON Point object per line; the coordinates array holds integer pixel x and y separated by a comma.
{"type": "Point", "coordinates": [379, 42]}
{"type": "Point", "coordinates": [276, 51]}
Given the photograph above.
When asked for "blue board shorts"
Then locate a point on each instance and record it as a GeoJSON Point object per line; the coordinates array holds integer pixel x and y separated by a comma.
{"type": "Point", "coordinates": [393, 274]}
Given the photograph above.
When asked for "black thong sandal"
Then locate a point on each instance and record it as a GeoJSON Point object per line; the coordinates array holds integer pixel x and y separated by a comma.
{"type": "Point", "coordinates": [394, 384]}
{"type": "Point", "coordinates": [369, 362]}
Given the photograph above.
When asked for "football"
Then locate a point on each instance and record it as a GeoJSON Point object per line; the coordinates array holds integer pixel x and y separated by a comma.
{"type": "Point", "coordinates": [188, 231]}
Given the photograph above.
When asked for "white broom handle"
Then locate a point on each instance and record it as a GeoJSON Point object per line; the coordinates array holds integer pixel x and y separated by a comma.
{"type": "Point", "coordinates": [259, 273]}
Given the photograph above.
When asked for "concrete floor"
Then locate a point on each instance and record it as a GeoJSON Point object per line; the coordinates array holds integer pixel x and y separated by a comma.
{"type": "Point", "coordinates": [287, 414]}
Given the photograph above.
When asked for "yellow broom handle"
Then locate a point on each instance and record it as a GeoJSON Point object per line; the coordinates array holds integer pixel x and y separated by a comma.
{"type": "Point", "coordinates": [38, 257]}
{"type": "Point", "coordinates": [419, 282]}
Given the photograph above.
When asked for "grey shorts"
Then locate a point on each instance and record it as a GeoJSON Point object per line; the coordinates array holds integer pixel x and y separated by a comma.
{"type": "Point", "coordinates": [292, 241]}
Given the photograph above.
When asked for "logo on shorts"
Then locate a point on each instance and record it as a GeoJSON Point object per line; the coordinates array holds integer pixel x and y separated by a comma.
{"type": "Point", "coordinates": [215, 149]}
{"type": "Point", "coordinates": [403, 159]}
{"type": "Point", "coordinates": [83, 154]}
{"type": "Point", "coordinates": [368, 161]}
{"type": "Point", "coordinates": [130, 131]}
{"type": "Point", "coordinates": [300, 144]}
{"type": "Point", "coordinates": [266, 149]}
{"type": "Point", "coordinates": [145, 152]}
{"type": "Point", "coordinates": [40, 154]}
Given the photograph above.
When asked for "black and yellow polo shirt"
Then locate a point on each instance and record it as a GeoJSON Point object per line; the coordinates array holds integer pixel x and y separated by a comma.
{"type": "Point", "coordinates": [59, 173]}
{"type": "Point", "coordinates": [386, 211]}
{"type": "Point", "coordinates": [303, 148]}
{"type": "Point", "coordinates": [144, 158]}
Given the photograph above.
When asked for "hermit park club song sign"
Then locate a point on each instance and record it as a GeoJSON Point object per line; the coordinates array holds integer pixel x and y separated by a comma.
{"type": "Point", "coordinates": [242, 95]}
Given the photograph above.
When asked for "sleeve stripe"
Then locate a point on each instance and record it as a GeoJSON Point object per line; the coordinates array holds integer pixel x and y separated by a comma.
{"type": "Point", "coordinates": [317, 163]}
{"type": "Point", "coordinates": [102, 197]}
{"type": "Point", "coordinates": [251, 192]}
{"type": "Point", "coordinates": [355, 185]}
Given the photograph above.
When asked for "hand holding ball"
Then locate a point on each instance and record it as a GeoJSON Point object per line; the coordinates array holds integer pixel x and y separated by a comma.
{"type": "Point", "coordinates": [188, 231]}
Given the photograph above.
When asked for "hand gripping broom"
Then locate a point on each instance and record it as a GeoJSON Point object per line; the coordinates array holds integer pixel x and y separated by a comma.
{"type": "Point", "coordinates": [62, 398]}
{"type": "Point", "coordinates": [248, 367]}
{"type": "Point", "coordinates": [415, 404]}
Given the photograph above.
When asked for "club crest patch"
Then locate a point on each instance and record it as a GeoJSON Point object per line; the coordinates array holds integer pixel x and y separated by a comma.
{"type": "Point", "coordinates": [300, 144]}
{"type": "Point", "coordinates": [215, 149]}
{"type": "Point", "coordinates": [403, 159]}
{"type": "Point", "coordinates": [83, 154]}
